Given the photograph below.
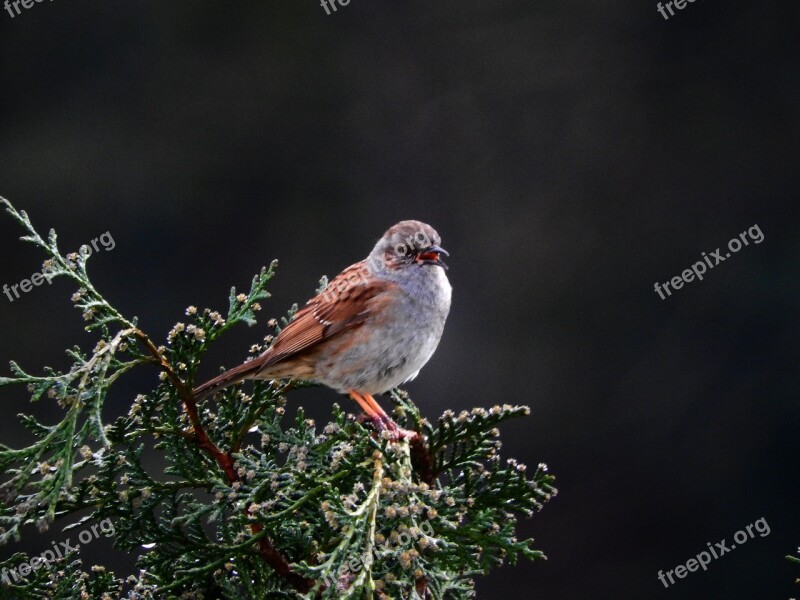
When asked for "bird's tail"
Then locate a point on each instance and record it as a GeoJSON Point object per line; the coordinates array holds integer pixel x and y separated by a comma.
{"type": "Point", "coordinates": [228, 378]}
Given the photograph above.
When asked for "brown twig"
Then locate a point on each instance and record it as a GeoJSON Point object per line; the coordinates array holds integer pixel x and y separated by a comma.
{"type": "Point", "coordinates": [422, 459]}
{"type": "Point", "coordinates": [190, 406]}
{"type": "Point", "coordinates": [280, 564]}
{"type": "Point", "coordinates": [225, 462]}
{"type": "Point", "coordinates": [421, 586]}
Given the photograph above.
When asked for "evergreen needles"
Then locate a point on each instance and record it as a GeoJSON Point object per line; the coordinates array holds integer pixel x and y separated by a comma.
{"type": "Point", "coordinates": [250, 504]}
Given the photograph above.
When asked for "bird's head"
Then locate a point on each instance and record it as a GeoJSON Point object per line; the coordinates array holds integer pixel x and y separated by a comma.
{"type": "Point", "coordinates": [409, 244]}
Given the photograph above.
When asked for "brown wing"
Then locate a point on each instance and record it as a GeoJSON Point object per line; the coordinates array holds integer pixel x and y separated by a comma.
{"type": "Point", "coordinates": [342, 305]}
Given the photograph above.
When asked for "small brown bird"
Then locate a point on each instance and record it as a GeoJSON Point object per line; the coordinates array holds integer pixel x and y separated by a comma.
{"type": "Point", "coordinates": [371, 329]}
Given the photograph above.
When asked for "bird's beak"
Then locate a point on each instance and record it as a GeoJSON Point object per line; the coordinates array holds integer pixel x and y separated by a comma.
{"type": "Point", "coordinates": [432, 256]}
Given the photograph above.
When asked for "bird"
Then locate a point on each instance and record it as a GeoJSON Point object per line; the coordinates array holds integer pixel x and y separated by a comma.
{"type": "Point", "coordinates": [372, 328]}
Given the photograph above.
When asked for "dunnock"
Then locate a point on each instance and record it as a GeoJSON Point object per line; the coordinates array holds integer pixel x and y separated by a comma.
{"type": "Point", "coordinates": [371, 329]}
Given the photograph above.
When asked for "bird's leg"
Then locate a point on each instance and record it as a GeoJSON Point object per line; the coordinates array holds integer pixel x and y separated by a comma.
{"type": "Point", "coordinates": [380, 419]}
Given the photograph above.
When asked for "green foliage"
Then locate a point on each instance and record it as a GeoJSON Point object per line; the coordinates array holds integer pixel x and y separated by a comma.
{"type": "Point", "coordinates": [796, 560]}
{"type": "Point", "coordinates": [251, 504]}
{"type": "Point", "coordinates": [65, 580]}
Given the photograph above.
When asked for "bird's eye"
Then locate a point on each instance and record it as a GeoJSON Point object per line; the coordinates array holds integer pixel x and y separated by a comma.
{"type": "Point", "coordinates": [401, 250]}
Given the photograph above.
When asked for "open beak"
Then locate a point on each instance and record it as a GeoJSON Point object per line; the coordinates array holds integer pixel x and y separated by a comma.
{"type": "Point", "coordinates": [432, 256]}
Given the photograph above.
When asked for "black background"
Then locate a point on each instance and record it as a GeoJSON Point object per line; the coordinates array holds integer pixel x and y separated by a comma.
{"type": "Point", "coordinates": [570, 154]}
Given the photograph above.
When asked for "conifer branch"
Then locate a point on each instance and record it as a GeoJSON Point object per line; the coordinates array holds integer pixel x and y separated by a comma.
{"type": "Point", "coordinates": [296, 511]}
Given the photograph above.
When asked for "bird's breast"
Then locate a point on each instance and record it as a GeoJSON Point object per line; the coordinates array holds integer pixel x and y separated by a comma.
{"type": "Point", "coordinates": [391, 347]}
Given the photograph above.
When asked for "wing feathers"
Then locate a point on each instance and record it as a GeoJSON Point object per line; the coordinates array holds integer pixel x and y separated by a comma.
{"type": "Point", "coordinates": [346, 303]}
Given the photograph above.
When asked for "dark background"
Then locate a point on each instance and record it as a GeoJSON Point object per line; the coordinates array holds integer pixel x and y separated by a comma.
{"type": "Point", "coordinates": [569, 153]}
